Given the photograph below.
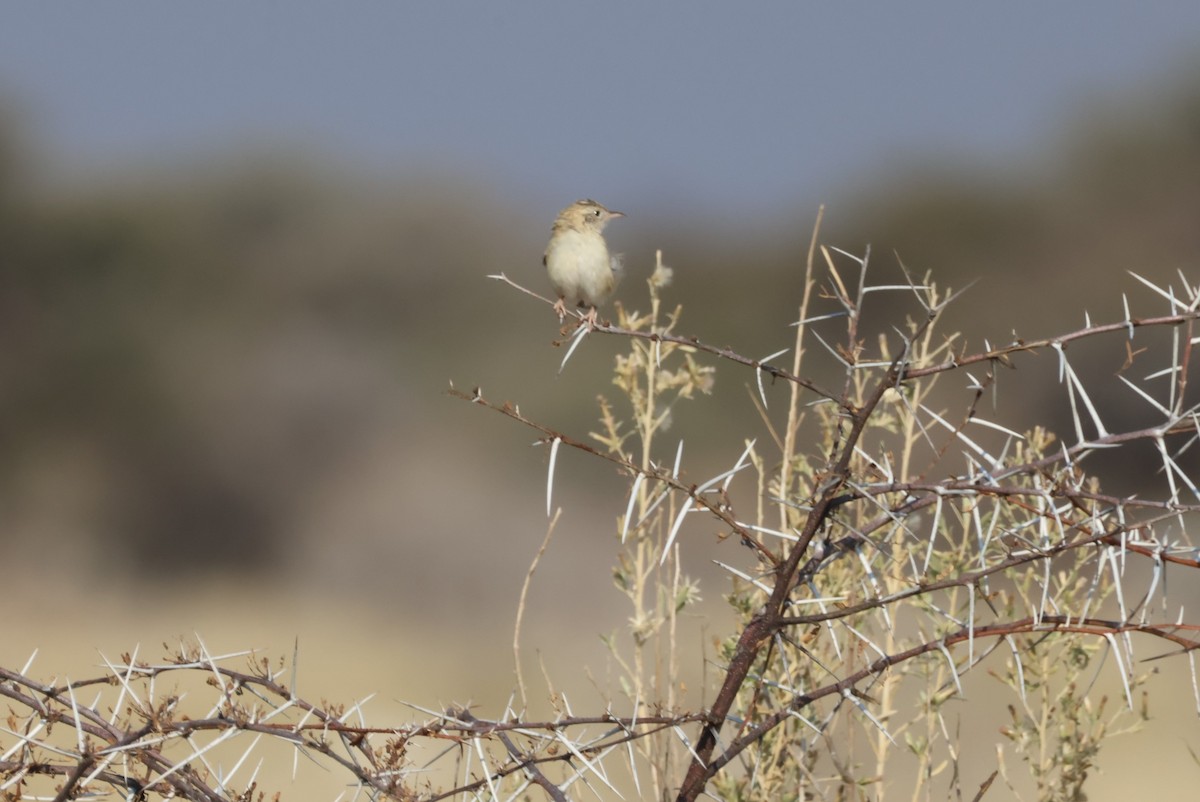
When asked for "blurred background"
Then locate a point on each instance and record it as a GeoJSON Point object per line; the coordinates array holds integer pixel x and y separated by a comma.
{"type": "Point", "coordinates": [243, 253]}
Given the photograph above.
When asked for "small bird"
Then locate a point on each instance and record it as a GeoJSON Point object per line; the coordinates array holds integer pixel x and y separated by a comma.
{"type": "Point", "coordinates": [577, 259]}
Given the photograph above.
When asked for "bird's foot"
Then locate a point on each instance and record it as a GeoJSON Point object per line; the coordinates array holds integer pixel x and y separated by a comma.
{"type": "Point", "coordinates": [560, 309]}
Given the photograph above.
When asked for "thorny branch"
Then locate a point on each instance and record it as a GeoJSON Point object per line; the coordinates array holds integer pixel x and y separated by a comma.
{"type": "Point", "coordinates": [155, 743]}
{"type": "Point", "coordinates": [1044, 481]}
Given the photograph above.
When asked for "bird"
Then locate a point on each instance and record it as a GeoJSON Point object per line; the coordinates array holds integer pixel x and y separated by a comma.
{"type": "Point", "coordinates": [577, 260]}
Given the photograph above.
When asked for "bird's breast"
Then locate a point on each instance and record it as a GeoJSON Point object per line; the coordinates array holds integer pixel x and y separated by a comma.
{"type": "Point", "coordinates": [579, 266]}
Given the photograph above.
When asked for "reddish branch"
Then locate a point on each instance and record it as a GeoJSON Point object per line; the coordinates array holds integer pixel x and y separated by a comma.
{"type": "Point", "coordinates": [162, 725]}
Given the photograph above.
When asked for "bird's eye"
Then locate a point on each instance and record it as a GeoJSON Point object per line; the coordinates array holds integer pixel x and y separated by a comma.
{"type": "Point", "coordinates": [596, 212]}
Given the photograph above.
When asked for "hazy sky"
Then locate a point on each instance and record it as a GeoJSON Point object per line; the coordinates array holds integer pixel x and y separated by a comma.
{"type": "Point", "coordinates": [725, 107]}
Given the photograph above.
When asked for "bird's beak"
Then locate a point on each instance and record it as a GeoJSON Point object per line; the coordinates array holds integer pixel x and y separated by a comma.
{"type": "Point", "coordinates": [615, 214]}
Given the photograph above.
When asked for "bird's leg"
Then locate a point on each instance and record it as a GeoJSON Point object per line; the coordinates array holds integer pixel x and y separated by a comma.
{"type": "Point", "coordinates": [560, 309]}
{"type": "Point", "coordinates": [590, 317]}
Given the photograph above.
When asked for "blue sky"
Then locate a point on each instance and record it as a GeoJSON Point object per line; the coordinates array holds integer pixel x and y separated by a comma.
{"type": "Point", "coordinates": [723, 108]}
